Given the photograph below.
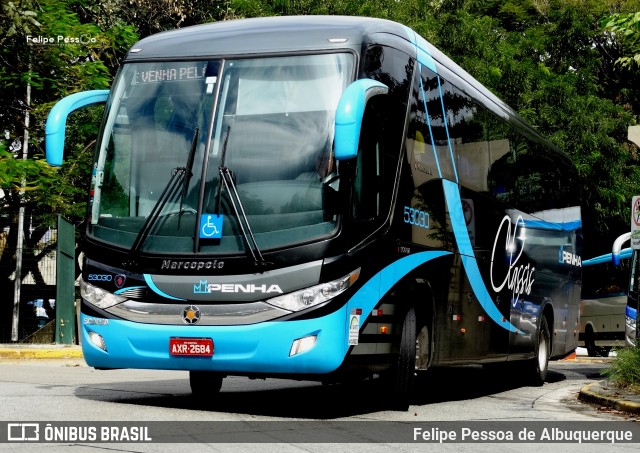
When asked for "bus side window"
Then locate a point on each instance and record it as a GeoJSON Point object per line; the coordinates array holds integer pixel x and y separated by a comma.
{"type": "Point", "coordinates": [382, 130]}
{"type": "Point", "coordinates": [366, 189]}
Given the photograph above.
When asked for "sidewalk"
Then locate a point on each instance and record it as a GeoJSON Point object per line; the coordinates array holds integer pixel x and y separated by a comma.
{"type": "Point", "coordinates": [606, 394]}
{"type": "Point", "coordinates": [39, 351]}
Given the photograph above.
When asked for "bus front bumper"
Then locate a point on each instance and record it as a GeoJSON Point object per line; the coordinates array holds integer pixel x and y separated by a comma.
{"type": "Point", "coordinates": [263, 348]}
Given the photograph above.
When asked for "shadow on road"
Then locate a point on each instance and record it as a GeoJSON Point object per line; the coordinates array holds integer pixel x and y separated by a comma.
{"type": "Point", "coordinates": [311, 400]}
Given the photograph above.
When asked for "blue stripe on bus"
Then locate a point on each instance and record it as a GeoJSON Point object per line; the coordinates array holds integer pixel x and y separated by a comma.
{"type": "Point", "coordinates": [129, 288]}
{"type": "Point", "coordinates": [247, 348]}
{"type": "Point", "coordinates": [368, 296]}
{"type": "Point", "coordinates": [454, 203]}
{"type": "Point", "coordinates": [426, 111]}
{"type": "Point", "coordinates": [631, 312]}
{"type": "Point", "coordinates": [446, 128]}
{"type": "Point", "coordinates": [422, 49]}
{"type": "Point", "coordinates": [553, 226]}
{"type": "Point", "coordinates": [424, 56]}
{"type": "Point", "coordinates": [256, 347]}
{"type": "Point", "coordinates": [155, 289]}
{"type": "Point", "coordinates": [425, 59]}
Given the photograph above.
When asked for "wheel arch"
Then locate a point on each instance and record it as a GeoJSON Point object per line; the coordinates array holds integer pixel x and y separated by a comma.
{"type": "Point", "coordinates": [589, 325]}
{"type": "Point", "coordinates": [417, 293]}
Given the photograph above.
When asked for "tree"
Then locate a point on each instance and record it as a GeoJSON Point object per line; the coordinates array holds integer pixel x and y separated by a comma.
{"type": "Point", "coordinates": [47, 53]}
{"type": "Point", "coordinates": [549, 59]}
{"type": "Point", "coordinates": [552, 63]}
{"type": "Point", "coordinates": [51, 52]}
{"type": "Point", "coordinates": [626, 29]}
{"type": "Point", "coordinates": [622, 35]}
{"type": "Point", "coordinates": [153, 16]}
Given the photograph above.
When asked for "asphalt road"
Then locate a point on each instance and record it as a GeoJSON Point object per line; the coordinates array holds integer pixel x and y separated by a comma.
{"type": "Point", "coordinates": [66, 390]}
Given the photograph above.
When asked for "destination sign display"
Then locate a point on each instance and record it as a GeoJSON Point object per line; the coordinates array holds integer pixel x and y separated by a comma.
{"type": "Point", "coordinates": [171, 72]}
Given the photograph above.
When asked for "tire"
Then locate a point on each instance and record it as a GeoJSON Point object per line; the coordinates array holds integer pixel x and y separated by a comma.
{"type": "Point", "coordinates": [539, 365]}
{"type": "Point", "coordinates": [403, 373]}
{"type": "Point", "coordinates": [590, 344]}
{"type": "Point", "coordinates": [205, 384]}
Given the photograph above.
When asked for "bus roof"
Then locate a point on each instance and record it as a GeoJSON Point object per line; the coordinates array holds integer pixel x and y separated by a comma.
{"type": "Point", "coordinates": [299, 34]}
{"type": "Point", "coordinates": [260, 35]}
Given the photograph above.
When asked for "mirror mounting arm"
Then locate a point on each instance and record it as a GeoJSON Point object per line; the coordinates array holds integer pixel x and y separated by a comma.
{"type": "Point", "coordinates": [349, 114]}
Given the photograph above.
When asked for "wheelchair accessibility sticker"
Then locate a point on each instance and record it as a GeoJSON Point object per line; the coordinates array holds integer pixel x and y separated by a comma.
{"type": "Point", "coordinates": [211, 226]}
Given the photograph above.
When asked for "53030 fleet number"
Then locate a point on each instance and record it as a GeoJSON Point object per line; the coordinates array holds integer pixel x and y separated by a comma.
{"type": "Point", "coordinates": [416, 217]}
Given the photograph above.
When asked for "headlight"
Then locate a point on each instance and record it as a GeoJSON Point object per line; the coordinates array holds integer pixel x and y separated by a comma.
{"type": "Point", "coordinates": [98, 296]}
{"type": "Point", "coordinates": [631, 323]}
{"type": "Point", "coordinates": [314, 295]}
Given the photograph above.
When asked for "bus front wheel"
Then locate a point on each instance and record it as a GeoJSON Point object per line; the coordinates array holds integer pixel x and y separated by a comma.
{"type": "Point", "coordinates": [403, 373]}
{"type": "Point", "coordinates": [205, 384]}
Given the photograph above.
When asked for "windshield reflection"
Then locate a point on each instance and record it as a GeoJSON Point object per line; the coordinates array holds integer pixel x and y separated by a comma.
{"type": "Point", "coordinates": [281, 113]}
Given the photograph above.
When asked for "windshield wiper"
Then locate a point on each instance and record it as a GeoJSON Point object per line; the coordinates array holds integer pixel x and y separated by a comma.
{"type": "Point", "coordinates": [179, 176]}
{"type": "Point", "coordinates": [223, 157]}
{"type": "Point", "coordinates": [188, 172]}
{"type": "Point", "coordinates": [227, 178]}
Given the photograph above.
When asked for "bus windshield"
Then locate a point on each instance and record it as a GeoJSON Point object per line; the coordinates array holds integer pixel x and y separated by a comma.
{"type": "Point", "coordinates": [268, 122]}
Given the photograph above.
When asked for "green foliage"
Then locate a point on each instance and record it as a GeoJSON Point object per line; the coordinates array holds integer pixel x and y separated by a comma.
{"type": "Point", "coordinates": [77, 166]}
{"type": "Point", "coordinates": [625, 368]}
{"type": "Point", "coordinates": [551, 60]}
{"type": "Point", "coordinates": [626, 28]}
{"type": "Point", "coordinates": [16, 20]}
{"type": "Point", "coordinates": [54, 48]}
{"type": "Point", "coordinates": [552, 63]}
{"type": "Point", "coordinates": [153, 16]}
{"type": "Point", "coordinates": [17, 174]}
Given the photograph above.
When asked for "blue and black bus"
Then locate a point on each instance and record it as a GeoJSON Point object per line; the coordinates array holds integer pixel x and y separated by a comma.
{"type": "Point", "coordinates": [319, 198]}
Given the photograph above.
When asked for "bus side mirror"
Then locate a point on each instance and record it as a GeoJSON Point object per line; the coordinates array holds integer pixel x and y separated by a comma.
{"type": "Point", "coordinates": [349, 116]}
{"type": "Point", "coordinates": [57, 121]}
{"type": "Point", "coordinates": [617, 252]}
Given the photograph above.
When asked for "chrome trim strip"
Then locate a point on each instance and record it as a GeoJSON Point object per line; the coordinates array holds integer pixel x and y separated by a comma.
{"type": "Point", "coordinates": [210, 315]}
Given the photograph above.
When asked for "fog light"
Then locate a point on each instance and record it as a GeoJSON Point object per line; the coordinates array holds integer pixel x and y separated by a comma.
{"type": "Point", "coordinates": [302, 345]}
{"type": "Point", "coordinates": [97, 341]}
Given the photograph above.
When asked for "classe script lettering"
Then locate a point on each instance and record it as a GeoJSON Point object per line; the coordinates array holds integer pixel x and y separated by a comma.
{"type": "Point", "coordinates": [520, 277]}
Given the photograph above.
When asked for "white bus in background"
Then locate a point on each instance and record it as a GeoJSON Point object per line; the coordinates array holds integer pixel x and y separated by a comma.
{"type": "Point", "coordinates": [603, 305]}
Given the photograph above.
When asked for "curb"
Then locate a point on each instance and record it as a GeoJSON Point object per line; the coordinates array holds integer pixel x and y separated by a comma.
{"type": "Point", "coordinates": [588, 394]}
{"type": "Point", "coordinates": [64, 352]}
